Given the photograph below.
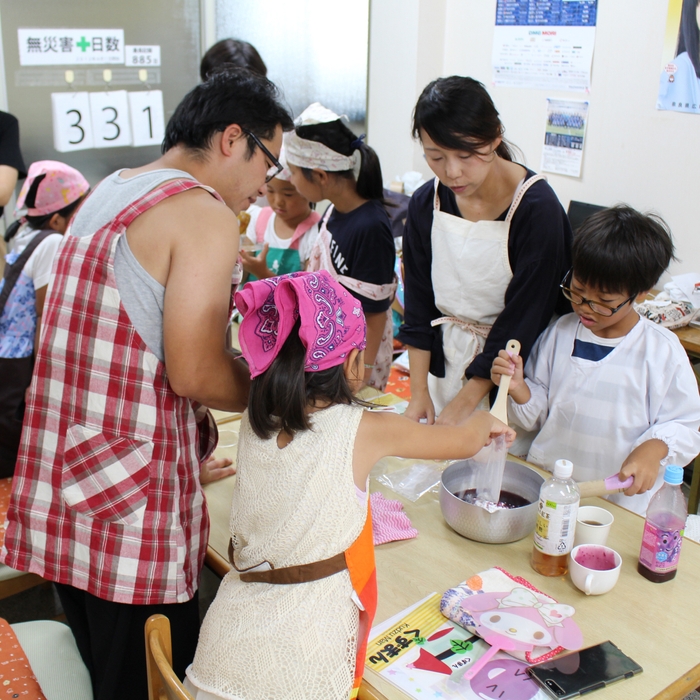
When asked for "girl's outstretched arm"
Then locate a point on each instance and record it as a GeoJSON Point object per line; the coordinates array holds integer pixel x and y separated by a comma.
{"type": "Point", "coordinates": [384, 434]}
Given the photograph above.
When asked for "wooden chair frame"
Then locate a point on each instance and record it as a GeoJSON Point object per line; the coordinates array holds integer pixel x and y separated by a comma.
{"type": "Point", "coordinates": [163, 684]}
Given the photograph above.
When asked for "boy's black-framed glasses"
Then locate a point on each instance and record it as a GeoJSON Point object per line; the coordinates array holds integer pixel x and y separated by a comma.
{"type": "Point", "coordinates": [277, 167]}
{"type": "Point", "coordinates": [597, 307]}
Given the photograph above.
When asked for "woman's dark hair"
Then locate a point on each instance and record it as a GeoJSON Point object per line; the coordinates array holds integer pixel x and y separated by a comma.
{"type": "Point", "coordinates": [457, 113]}
{"type": "Point", "coordinates": [689, 34]}
{"type": "Point", "coordinates": [229, 96]}
{"type": "Point", "coordinates": [621, 251]}
{"type": "Point", "coordinates": [339, 138]}
{"type": "Point", "coordinates": [235, 53]}
{"type": "Point", "coordinates": [279, 398]}
{"type": "Point", "coordinates": [39, 223]}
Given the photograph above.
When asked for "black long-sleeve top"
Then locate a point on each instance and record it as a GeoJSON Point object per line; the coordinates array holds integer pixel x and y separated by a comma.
{"type": "Point", "coordinates": [539, 252]}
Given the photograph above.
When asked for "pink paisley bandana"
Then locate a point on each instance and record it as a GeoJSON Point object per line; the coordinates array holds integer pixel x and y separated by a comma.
{"type": "Point", "coordinates": [332, 321]}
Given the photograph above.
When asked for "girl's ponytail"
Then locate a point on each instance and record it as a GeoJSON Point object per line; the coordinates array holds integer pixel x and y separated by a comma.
{"type": "Point", "coordinates": [370, 184]}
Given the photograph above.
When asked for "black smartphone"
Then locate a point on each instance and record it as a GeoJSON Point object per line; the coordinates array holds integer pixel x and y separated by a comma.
{"type": "Point", "coordinates": [583, 671]}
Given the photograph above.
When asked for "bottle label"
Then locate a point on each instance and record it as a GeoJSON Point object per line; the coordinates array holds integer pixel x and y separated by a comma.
{"type": "Point", "coordinates": [554, 531]}
{"type": "Point", "coordinates": [661, 548]}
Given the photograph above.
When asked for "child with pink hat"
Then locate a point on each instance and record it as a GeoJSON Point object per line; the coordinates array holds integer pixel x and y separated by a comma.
{"type": "Point", "coordinates": [301, 528]}
{"type": "Point", "coordinates": [50, 195]}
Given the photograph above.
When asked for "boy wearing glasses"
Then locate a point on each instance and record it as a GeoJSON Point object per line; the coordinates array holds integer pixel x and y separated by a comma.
{"type": "Point", "coordinates": [606, 388]}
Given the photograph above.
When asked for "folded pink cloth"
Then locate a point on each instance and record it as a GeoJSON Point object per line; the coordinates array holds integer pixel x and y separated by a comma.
{"type": "Point", "coordinates": [389, 522]}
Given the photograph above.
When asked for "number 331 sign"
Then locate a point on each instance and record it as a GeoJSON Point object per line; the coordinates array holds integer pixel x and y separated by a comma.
{"type": "Point", "coordinates": [107, 119]}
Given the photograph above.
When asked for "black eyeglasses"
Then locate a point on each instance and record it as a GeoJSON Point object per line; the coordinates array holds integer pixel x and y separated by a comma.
{"type": "Point", "coordinates": [277, 167]}
{"type": "Point", "coordinates": [600, 309]}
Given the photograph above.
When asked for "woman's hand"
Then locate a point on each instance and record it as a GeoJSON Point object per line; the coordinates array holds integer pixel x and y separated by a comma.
{"type": "Point", "coordinates": [257, 265]}
{"type": "Point", "coordinates": [466, 401]}
{"type": "Point", "coordinates": [421, 406]}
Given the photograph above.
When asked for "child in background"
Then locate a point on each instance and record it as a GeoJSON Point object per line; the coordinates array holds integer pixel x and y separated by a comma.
{"type": "Point", "coordinates": [287, 228]}
{"type": "Point", "coordinates": [355, 245]}
{"type": "Point", "coordinates": [49, 197]}
{"type": "Point", "coordinates": [608, 389]}
{"type": "Point", "coordinates": [291, 619]}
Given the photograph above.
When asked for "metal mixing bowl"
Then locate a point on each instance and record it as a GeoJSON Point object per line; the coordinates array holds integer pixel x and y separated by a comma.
{"type": "Point", "coordinates": [476, 523]}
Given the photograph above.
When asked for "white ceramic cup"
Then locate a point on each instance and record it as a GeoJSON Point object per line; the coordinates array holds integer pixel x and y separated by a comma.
{"type": "Point", "coordinates": [592, 525]}
{"type": "Point", "coordinates": [594, 569]}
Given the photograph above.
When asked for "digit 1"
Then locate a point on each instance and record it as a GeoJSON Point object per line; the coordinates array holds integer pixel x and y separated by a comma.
{"type": "Point", "coordinates": [150, 125]}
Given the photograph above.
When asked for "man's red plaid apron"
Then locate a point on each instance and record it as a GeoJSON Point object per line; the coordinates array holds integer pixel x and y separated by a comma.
{"type": "Point", "coordinates": [106, 494]}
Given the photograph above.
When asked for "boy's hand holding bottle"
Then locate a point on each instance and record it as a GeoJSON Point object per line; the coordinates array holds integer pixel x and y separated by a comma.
{"type": "Point", "coordinates": [511, 365]}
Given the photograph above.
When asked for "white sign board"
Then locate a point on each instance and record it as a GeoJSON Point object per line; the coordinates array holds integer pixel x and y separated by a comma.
{"type": "Point", "coordinates": [147, 117]}
{"type": "Point", "coordinates": [72, 125]}
{"type": "Point", "coordinates": [110, 119]}
{"type": "Point", "coordinates": [65, 47]}
{"type": "Point", "coordinates": [141, 56]}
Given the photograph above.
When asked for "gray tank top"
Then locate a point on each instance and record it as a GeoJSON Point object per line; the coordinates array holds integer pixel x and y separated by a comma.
{"type": "Point", "coordinates": [141, 295]}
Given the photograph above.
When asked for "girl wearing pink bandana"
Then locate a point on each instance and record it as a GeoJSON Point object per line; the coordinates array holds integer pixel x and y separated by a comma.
{"type": "Point", "coordinates": [355, 245]}
{"type": "Point", "coordinates": [47, 201]}
{"type": "Point", "coordinates": [291, 619]}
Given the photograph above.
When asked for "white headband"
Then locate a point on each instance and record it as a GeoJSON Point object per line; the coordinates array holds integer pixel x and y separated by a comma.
{"type": "Point", "coordinates": [311, 154]}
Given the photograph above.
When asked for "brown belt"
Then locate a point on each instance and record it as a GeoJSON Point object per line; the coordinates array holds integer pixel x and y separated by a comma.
{"type": "Point", "coordinates": [301, 573]}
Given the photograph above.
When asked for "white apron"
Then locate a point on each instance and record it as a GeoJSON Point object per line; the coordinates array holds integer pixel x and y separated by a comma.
{"type": "Point", "coordinates": [470, 274]}
{"type": "Point", "coordinates": [321, 260]}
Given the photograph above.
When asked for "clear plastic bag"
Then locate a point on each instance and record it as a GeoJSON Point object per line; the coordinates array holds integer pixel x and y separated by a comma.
{"type": "Point", "coordinates": [489, 476]}
{"type": "Point", "coordinates": [413, 481]}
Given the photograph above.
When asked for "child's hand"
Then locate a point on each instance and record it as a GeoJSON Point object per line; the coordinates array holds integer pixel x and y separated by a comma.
{"type": "Point", "coordinates": [257, 265]}
{"type": "Point", "coordinates": [490, 423]}
{"type": "Point", "coordinates": [214, 469]}
{"type": "Point", "coordinates": [512, 366]}
{"type": "Point", "coordinates": [643, 464]}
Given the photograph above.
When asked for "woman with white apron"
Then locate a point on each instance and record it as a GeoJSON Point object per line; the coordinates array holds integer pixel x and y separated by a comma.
{"type": "Point", "coordinates": [485, 247]}
{"type": "Point", "coordinates": [355, 243]}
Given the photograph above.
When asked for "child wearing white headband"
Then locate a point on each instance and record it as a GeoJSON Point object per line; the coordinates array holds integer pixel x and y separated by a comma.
{"type": "Point", "coordinates": [355, 245]}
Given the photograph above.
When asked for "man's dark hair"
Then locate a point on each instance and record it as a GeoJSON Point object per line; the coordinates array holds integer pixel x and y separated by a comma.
{"type": "Point", "coordinates": [235, 52]}
{"type": "Point", "coordinates": [229, 96]}
{"type": "Point", "coordinates": [621, 251]}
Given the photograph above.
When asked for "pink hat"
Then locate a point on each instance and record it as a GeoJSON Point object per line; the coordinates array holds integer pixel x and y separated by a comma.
{"type": "Point", "coordinates": [60, 186]}
{"type": "Point", "coordinates": [332, 321]}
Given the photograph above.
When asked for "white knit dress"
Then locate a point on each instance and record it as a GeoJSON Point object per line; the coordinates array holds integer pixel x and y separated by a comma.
{"type": "Point", "coordinates": [295, 505]}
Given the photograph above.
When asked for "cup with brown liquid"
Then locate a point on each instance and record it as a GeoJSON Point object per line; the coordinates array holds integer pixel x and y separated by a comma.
{"type": "Point", "coordinates": [592, 525]}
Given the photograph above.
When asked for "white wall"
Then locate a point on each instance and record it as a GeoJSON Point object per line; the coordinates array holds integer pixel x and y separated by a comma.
{"type": "Point", "coordinates": [633, 152]}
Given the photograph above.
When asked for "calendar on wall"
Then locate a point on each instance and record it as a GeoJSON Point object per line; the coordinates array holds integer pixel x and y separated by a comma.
{"type": "Point", "coordinates": [94, 84]}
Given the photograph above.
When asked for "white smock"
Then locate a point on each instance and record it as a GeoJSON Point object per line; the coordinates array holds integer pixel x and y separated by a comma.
{"type": "Point", "coordinates": [595, 413]}
{"type": "Point", "coordinates": [291, 506]}
{"type": "Point", "coordinates": [470, 274]}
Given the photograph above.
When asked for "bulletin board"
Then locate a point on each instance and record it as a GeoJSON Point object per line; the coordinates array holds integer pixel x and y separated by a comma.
{"type": "Point", "coordinates": [90, 37]}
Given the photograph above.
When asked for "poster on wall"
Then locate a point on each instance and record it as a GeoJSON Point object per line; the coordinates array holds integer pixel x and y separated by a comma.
{"type": "Point", "coordinates": [564, 136]}
{"type": "Point", "coordinates": [544, 44]}
{"type": "Point", "coordinates": [679, 85]}
{"type": "Point", "coordinates": [68, 47]}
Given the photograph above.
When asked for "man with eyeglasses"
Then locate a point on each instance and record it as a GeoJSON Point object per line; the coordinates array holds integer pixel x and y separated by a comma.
{"type": "Point", "coordinates": [607, 389]}
{"type": "Point", "coordinates": [108, 502]}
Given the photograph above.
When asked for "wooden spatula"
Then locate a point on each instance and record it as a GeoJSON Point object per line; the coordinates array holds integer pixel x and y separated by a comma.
{"type": "Point", "coordinates": [500, 406]}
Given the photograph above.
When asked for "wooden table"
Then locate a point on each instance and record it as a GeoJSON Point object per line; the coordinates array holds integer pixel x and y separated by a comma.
{"type": "Point", "coordinates": [690, 340]}
{"type": "Point", "coordinates": [658, 625]}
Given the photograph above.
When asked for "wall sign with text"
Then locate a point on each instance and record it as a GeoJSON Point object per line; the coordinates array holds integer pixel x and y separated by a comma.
{"type": "Point", "coordinates": [66, 47]}
{"type": "Point", "coordinates": [107, 119]}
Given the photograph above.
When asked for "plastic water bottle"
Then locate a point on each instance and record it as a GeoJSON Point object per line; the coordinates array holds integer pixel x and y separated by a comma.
{"type": "Point", "coordinates": [663, 529]}
{"type": "Point", "coordinates": [556, 521]}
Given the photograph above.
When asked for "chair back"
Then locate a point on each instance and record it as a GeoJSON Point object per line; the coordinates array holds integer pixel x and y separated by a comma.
{"type": "Point", "coordinates": [163, 684]}
{"type": "Point", "coordinates": [578, 212]}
